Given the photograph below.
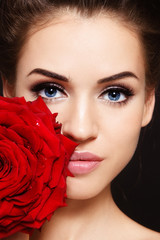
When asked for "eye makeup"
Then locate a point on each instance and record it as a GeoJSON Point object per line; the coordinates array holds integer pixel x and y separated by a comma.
{"type": "Point", "coordinates": [49, 90]}
{"type": "Point", "coordinates": [117, 94]}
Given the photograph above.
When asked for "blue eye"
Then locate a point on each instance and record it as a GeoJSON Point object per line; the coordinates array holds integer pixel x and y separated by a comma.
{"type": "Point", "coordinates": [49, 91]}
{"type": "Point", "coordinates": [116, 94]}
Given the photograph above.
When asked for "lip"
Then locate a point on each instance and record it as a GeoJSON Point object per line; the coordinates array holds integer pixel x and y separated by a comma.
{"type": "Point", "coordinates": [83, 162]}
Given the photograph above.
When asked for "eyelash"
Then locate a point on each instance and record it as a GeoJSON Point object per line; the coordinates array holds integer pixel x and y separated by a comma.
{"type": "Point", "coordinates": [118, 88]}
{"type": "Point", "coordinates": [47, 85]}
{"type": "Point", "coordinates": [122, 89]}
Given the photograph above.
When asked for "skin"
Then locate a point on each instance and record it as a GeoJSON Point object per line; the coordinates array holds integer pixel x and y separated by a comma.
{"type": "Point", "coordinates": [85, 51]}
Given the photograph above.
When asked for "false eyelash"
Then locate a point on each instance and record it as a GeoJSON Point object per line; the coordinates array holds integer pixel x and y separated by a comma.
{"type": "Point", "coordinates": [121, 86]}
{"type": "Point", "coordinates": [40, 86]}
{"type": "Point", "coordinates": [127, 91]}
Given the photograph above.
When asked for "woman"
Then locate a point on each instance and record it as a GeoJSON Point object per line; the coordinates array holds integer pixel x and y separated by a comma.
{"type": "Point", "coordinates": [96, 63]}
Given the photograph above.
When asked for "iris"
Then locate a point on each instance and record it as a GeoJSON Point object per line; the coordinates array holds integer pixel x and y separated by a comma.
{"type": "Point", "coordinates": [114, 95]}
{"type": "Point", "coordinates": [50, 92]}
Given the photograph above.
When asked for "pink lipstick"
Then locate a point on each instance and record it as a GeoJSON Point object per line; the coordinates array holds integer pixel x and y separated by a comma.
{"type": "Point", "coordinates": [83, 162]}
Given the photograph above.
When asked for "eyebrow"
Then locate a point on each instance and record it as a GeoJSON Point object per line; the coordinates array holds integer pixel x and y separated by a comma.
{"type": "Point", "coordinates": [118, 76]}
{"type": "Point", "coordinates": [54, 75]}
{"type": "Point", "coordinates": [47, 73]}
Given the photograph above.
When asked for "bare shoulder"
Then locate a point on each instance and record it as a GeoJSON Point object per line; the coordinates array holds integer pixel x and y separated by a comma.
{"type": "Point", "coordinates": [145, 233]}
{"type": "Point", "coordinates": [139, 232]}
{"type": "Point", "coordinates": [128, 229]}
{"type": "Point", "coordinates": [149, 234]}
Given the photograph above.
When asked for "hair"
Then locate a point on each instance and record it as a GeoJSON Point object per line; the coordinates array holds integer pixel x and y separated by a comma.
{"type": "Point", "coordinates": [19, 16]}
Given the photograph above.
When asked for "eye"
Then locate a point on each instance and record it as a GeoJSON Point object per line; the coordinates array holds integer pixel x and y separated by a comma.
{"type": "Point", "coordinates": [49, 91]}
{"type": "Point", "coordinates": [116, 94]}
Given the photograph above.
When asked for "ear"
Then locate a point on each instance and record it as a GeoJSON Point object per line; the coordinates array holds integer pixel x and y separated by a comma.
{"type": "Point", "coordinates": [148, 108]}
{"type": "Point", "coordinates": [8, 89]}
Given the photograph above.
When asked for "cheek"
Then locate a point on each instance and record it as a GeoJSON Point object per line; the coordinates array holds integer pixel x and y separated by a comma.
{"type": "Point", "coordinates": [122, 134]}
{"type": "Point", "coordinates": [118, 145]}
{"type": "Point", "coordinates": [124, 141]}
{"type": "Point", "coordinates": [63, 109]}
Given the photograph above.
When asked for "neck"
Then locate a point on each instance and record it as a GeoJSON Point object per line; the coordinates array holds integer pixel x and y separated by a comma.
{"type": "Point", "coordinates": [73, 219]}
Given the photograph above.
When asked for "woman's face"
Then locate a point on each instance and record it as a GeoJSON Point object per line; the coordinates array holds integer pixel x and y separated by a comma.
{"type": "Point", "coordinates": [91, 71]}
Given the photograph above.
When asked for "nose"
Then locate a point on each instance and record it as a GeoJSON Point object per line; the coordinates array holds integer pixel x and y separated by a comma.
{"type": "Point", "coordinates": [80, 122]}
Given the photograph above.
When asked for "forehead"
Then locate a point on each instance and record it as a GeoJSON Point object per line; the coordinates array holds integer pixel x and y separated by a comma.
{"type": "Point", "coordinates": [101, 40]}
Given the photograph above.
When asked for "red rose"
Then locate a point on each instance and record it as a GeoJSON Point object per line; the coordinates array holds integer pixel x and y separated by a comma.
{"type": "Point", "coordinates": [33, 165]}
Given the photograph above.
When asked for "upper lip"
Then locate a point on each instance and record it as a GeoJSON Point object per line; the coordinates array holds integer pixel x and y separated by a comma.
{"type": "Point", "coordinates": [84, 156]}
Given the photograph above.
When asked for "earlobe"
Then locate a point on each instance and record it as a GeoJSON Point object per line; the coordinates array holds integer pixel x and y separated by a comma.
{"type": "Point", "coordinates": [148, 109]}
{"type": "Point", "coordinates": [7, 88]}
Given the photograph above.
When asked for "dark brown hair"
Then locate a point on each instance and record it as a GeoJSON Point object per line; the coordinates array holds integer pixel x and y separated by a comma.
{"type": "Point", "coordinates": [19, 16]}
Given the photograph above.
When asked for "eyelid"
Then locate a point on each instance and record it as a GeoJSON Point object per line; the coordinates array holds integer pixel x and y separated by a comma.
{"type": "Point", "coordinates": [121, 87]}
{"type": "Point", "coordinates": [40, 86]}
{"type": "Point", "coordinates": [127, 91]}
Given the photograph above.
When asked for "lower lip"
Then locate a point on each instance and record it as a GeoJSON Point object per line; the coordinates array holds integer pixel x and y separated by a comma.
{"type": "Point", "coordinates": [82, 167]}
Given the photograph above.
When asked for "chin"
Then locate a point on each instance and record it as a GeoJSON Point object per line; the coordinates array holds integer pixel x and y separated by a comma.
{"type": "Point", "coordinates": [73, 195]}
{"type": "Point", "coordinates": [79, 189]}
